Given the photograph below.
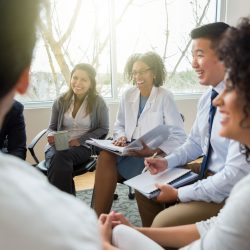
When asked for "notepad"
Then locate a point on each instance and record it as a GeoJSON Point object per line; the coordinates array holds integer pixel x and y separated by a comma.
{"type": "Point", "coordinates": [154, 138]}
{"type": "Point", "coordinates": [145, 182]}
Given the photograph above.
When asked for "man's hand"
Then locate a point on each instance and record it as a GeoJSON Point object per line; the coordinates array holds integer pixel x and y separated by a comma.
{"type": "Point", "coordinates": [167, 193]}
{"type": "Point", "coordinates": [156, 165]}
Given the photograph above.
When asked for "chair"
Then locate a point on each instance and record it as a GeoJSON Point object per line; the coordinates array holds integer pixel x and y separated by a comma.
{"type": "Point", "coordinates": [88, 166]}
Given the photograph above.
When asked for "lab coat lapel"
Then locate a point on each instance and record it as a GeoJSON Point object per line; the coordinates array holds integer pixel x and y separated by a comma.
{"type": "Point", "coordinates": [133, 103]}
{"type": "Point", "coordinates": [151, 100]}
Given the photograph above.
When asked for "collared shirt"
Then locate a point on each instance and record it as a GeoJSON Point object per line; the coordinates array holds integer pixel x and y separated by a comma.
{"type": "Point", "coordinates": [78, 125]}
{"type": "Point", "coordinates": [225, 161]}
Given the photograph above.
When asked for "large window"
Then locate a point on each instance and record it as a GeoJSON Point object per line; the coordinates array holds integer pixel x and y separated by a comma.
{"type": "Point", "coordinates": [105, 33]}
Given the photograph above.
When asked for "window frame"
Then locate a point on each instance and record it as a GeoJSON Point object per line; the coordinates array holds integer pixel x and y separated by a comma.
{"type": "Point", "coordinates": [219, 16]}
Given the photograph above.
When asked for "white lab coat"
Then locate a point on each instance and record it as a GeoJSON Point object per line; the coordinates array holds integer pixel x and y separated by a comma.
{"type": "Point", "coordinates": [160, 109]}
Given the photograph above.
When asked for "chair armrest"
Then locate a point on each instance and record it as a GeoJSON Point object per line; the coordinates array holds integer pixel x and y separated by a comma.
{"type": "Point", "coordinates": [33, 143]}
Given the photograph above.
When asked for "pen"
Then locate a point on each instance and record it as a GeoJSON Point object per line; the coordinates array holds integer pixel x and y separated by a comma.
{"type": "Point", "coordinates": [154, 155]}
{"type": "Point", "coordinates": [146, 168]}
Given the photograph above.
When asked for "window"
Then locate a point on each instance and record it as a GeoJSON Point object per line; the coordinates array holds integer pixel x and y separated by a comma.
{"type": "Point", "coordinates": [105, 33]}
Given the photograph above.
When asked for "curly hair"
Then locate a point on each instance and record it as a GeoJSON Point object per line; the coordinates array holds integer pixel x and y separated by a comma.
{"type": "Point", "coordinates": [234, 51]}
{"type": "Point", "coordinates": [154, 62]}
{"type": "Point", "coordinates": [92, 92]}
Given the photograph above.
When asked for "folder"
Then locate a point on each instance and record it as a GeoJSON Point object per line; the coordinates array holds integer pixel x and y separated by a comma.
{"type": "Point", "coordinates": [176, 177]}
{"type": "Point", "coordinates": [154, 138]}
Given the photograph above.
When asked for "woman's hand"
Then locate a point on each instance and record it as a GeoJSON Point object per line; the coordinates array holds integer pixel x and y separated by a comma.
{"type": "Point", "coordinates": [51, 139]}
{"type": "Point", "coordinates": [105, 223]}
{"type": "Point", "coordinates": [74, 143]}
{"type": "Point", "coordinates": [122, 141]}
{"type": "Point", "coordinates": [119, 218]}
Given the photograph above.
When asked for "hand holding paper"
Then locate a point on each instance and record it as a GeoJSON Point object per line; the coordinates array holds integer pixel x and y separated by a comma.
{"type": "Point", "coordinates": [122, 141]}
{"type": "Point", "coordinates": [167, 193]}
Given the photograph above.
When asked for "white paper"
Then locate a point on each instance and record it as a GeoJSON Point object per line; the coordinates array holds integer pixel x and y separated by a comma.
{"type": "Point", "coordinates": [145, 182]}
{"type": "Point", "coordinates": [154, 138]}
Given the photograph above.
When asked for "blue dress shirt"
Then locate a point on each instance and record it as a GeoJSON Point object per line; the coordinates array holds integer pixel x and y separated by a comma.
{"type": "Point", "coordinates": [226, 161]}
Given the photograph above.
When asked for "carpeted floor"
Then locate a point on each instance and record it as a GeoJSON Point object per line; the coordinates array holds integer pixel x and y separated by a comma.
{"type": "Point", "coordinates": [123, 204]}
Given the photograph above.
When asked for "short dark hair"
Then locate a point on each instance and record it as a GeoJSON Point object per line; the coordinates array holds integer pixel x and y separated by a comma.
{"type": "Point", "coordinates": [18, 36]}
{"type": "Point", "coordinates": [234, 50]}
{"type": "Point", "coordinates": [211, 31]}
{"type": "Point", "coordinates": [154, 62]}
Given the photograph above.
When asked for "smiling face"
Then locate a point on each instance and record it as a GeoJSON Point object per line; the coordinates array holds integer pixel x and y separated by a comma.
{"type": "Point", "coordinates": [206, 64]}
{"type": "Point", "coordinates": [234, 123]}
{"type": "Point", "coordinates": [80, 82]}
{"type": "Point", "coordinates": [143, 77]}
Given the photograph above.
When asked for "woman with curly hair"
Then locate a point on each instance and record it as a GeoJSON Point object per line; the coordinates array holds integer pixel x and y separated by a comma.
{"type": "Point", "coordinates": [142, 108]}
{"type": "Point", "coordinates": [231, 228]}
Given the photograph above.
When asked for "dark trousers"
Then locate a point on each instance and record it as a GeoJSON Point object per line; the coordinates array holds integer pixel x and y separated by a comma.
{"type": "Point", "coordinates": [61, 166]}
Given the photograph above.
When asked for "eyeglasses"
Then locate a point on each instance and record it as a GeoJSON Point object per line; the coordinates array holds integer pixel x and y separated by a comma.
{"type": "Point", "coordinates": [140, 73]}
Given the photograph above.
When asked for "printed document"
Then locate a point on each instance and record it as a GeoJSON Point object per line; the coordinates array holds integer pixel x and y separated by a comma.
{"type": "Point", "coordinates": [154, 138]}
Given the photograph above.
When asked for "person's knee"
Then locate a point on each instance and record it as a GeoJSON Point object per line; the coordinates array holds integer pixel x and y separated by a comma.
{"type": "Point", "coordinates": [106, 155]}
{"type": "Point", "coordinates": [168, 217]}
{"type": "Point", "coordinates": [61, 162]}
{"type": "Point", "coordinates": [104, 160]}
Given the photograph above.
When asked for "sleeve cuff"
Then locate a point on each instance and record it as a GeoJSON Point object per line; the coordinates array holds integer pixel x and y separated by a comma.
{"type": "Point", "coordinates": [184, 193]}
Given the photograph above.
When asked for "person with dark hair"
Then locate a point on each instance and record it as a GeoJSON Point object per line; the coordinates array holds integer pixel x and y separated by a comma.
{"type": "Point", "coordinates": [231, 228]}
{"type": "Point", "coordinates": [222, 165]}
{"type": "Point", "coordinates": [142, 108]}
{"type": "Point", "coordinates": [33, 213]}
{"type": "Point", "coordinates": [84, 114]}
{"type": "Point", "coordinates": [13, 133]}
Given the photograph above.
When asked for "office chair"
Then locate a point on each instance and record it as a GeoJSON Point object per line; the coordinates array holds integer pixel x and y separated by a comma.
{"type": "Point", "coordinates": [88, 166]}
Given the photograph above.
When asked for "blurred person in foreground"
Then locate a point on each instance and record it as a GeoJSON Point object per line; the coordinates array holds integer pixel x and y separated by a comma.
{"type": "Point", "coordinates": [33, 213]}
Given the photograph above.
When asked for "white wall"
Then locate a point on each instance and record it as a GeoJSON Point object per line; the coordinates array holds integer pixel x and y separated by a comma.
{"type": "Point", "coordinates": [234, 9]}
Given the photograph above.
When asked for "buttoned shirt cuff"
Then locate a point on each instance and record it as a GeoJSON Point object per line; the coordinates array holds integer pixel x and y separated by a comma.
{"type": "Point", "coordinates": [185, 193]}
{"type": "Point", "coordinates": [172, 161]}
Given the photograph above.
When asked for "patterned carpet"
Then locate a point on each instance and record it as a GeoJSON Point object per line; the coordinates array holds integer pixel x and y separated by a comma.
{"type": "Point", "coordinates": [123, 204]}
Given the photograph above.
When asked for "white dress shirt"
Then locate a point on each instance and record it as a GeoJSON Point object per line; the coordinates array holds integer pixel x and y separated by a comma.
{"type": "Point", "coordinates": [225, 161]}
{"type": "Point", "coordinates": [36, 215]}
{"type": "Point", "coordinates": [159, 109]}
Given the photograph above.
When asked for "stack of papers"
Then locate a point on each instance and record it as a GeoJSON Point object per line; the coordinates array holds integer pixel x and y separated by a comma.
{"type": "Point", "coordinates": [154, 138]}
